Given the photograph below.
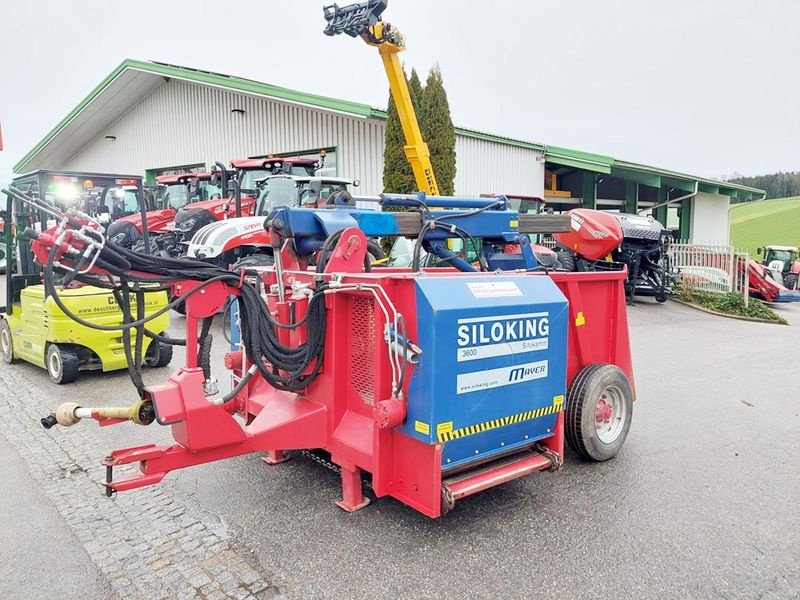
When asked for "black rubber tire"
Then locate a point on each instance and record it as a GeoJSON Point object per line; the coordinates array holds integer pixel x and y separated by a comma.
{"type": "Point", "coordinates": [180, 308]}
{"type": "Point", "coordinates": [254, 260]}
{"type": "Point", "coordinates": [138, 246]}
{"type": "Point", "coordinates": [790, 281]}
{"type": "Point", "coordinates": [158, 354]}
{"type": "Point", "coordinates": [661, 297]}
{"type": "Point", "coordinates": [62, 363]}
{"type": "Point", "coordinates": [579, 422]}
{"type": "Point", "coordinates": [375, 252]}
{"type": "Point", "coordinates": [6, 343]}
{"type": "Point", "coordinates": [566, 261]}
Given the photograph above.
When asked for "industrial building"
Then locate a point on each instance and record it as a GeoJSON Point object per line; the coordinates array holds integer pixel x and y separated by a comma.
{"type": "Point", "coordinates": [155, 118]}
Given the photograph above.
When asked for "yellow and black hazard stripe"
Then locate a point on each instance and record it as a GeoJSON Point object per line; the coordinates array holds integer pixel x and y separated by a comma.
{"type": "Point", "coordinates": [445, 431]}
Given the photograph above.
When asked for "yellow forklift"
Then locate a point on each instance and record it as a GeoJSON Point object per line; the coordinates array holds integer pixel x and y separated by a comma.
{"type": "Point", "coordinates": [33, 327]}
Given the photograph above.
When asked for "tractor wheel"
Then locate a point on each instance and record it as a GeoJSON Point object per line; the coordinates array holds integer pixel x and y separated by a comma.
{"type": "Point", "coordinates": [6, 342]}
{"type": "Point", "coordinates": [599, 411]}
{"type": "Point", "coordinates": [180, 308]}
{"type": "Point", "coordinates": [790, 281]}
{"type": "Point", "coordinates": [253, 260]}
{"type": "Point", "coordinates": [138, 247]}
{"type": "Point", "coordinates": [566, 261]}
{"type": "Point", "coordinates": [661, 297]}
{"type": "Point", "coordinates": [62, 363]}
{"type": "Point", "coordinates": [158, 354]}
{"type": "Point", "coordinates": [375, 253]}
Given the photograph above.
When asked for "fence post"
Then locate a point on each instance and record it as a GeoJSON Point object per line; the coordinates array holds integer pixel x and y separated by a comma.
{"type": "Point", "coordinates": [746, 282]}
{"type": "Point", "coordinates": [731, 257]}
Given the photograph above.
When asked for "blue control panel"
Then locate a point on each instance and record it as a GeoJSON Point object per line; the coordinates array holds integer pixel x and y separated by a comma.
{"type": "Point", "coordinates": [492, 375]}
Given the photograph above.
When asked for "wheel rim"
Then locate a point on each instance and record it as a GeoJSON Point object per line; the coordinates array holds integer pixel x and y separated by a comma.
{"type": "Point", "coordinates": [610, 414]}
{"type": "Point", "coordinates": [54, 364]}
{"type": "Point", "coordinates": [5, 342]}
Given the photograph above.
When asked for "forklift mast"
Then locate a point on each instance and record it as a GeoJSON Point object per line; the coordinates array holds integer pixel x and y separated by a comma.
{"type": "Point", "coordinates": [364, 20]}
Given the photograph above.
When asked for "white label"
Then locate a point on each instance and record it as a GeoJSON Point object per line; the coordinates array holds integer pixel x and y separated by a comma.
{"type": "Point", "coordinates": [494, 378]}
{"type": "Point", "coordinates": [504, 349]}
{"type": "Point", "coordinates": [494, 289]}
{"type": "Point", "coordinates": [501, 335]}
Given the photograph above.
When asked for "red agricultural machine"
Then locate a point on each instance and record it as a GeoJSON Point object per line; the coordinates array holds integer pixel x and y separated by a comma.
{"type": "Point", "coordinates": [782, 263]}
{"type": "Point", "coordinates": [434, 384]}
{"type": "Point", "coordinates": [766, 284]}
{"type": "Point", "coordinates": [603, 241]}
{"type": "Point", "coordinates": [187, 202]}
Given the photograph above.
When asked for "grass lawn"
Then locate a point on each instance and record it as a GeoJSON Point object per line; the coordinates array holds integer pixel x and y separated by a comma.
{"type": "Point", "coordinates": [765, 222]}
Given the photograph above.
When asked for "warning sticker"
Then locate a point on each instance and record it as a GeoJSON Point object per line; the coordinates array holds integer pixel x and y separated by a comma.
{"type": "Point", "coordinates": [494, 289]}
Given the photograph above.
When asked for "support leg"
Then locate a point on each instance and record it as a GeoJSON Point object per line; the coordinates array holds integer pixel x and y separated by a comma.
{"type": "Point", "coordinates": [275, 457]}
{"type": "Point", "coordinates": [352, 498]}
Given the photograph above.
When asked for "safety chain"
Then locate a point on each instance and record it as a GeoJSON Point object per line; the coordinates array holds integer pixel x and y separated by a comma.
{"type": "Point", "coordinates": [556, 460]}
{"type": "Point", "coordinates": [330, 465]}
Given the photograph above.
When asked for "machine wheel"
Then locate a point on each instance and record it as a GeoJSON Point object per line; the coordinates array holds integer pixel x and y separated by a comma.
{"type": "Point", "coordinates": [6, 342]}
{"type": "Point", "coordinates": [138, 246]}
{"type": "Point", "coordinates": [599, 411]}
{"type": "Point", "coordinates": [661, 297]}
{"type": "Point", "coordinates": [790, 281]}
{"type": "Point", "coordinates": [254, 260]}
{"type": "Point", "coordinates": [62, 363]}
{"type": "Point", "coordinates": [158, 354]}
{"type": "Point", "coordinates": [566, 261]}
{"type": "Point", "coordinates": [374, 252]}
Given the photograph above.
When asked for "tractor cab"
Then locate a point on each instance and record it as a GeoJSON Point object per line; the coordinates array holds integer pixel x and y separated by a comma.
{"type": "Point", "coordinates": [173, 192]}
{"type": "Point", "coordinates": [302, 191]}
{"type": "Point", "coordinates": [227, 242]}
{"type": "Point", "coordinates": [250, 170]}
{"type": "Point", "coordinates": [782, 264]}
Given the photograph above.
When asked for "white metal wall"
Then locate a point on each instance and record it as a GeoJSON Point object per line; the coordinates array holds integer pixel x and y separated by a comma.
{"type": "Point", "coordinates": [183, 123]}
{"type": "Point", "coordinates": [485, 167]}
{"type": "Point", "coordinates": [710, 218]}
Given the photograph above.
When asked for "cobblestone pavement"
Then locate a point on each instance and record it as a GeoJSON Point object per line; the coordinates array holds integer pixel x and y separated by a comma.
{"type": "Point", "coordinates": [703, 501]}
{"type": "Point", "coordinates": [149, 544]}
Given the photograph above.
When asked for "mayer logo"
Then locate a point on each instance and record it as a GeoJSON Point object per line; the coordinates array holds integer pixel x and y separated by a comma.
{"type": "Point", "coordinates": [493, 378]}
{"type": "Point", "coordinates": [525, 373]}
{"type": "Point", "coordinates": [501, 335]}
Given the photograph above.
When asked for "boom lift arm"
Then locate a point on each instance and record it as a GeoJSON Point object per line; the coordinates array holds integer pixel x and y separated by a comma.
{"type": "Point", "coordinates": [364, 20]}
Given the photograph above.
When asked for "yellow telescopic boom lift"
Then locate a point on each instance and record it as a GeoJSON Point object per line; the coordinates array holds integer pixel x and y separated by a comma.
{"type": "Point", "coordinates": [364, 20]}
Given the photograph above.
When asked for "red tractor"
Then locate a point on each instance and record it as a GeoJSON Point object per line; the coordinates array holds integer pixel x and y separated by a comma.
{"type": "Point", "coordinates": [241, 193]}
{"type": "Point", "coordinates": [173, 193]}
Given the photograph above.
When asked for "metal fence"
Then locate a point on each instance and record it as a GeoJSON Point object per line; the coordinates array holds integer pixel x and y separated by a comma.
{"type": "Point", "coordinates": [547, 240]}
{"type": "Point", "coordinates": [711, 267]}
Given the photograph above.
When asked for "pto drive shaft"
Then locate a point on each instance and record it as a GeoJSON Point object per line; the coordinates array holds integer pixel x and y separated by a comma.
{"type": "Point", "coordinates": [69, 413]}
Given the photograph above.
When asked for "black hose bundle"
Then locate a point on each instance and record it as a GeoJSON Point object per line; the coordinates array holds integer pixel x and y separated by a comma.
{"type": "Point", "coordinates": [285, 368]}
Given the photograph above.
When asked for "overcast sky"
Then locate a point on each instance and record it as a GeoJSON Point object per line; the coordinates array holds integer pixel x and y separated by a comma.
{"type": "Point", "coordinates": [705, 87]}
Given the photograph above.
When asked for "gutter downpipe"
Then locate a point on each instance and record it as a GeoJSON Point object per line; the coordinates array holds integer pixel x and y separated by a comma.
{"type": "Point", "coordinates": [674, 200]}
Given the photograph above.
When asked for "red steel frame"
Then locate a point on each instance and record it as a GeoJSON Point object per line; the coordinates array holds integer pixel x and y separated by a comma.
{"type": "Point", "coordinates": [332, 414]}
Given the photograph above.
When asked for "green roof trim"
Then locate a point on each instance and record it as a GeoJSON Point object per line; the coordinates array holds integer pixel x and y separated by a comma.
{"type": "Point", "coordinates": [726, 188]}
{"type": "Point", "coordinates": [578, 159]}
{"type": "Point", "coordinates": [649, 179]}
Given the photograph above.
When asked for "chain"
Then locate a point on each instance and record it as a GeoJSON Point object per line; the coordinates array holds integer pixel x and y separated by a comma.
{"type": "Point", "coordinates": [313, 456]}
{"type": "Point", "coordinates": [556, 460]}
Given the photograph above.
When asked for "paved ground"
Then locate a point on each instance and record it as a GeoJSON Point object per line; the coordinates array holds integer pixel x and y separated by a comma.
{"type": "Point", "coordinates": [703, 501]}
